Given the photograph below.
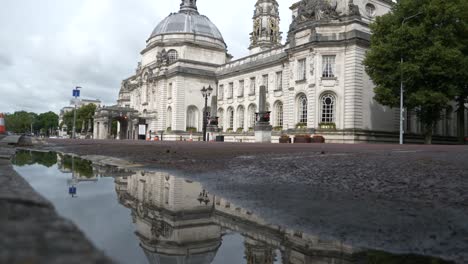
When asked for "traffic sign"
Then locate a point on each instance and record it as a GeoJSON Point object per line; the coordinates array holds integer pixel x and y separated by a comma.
{"type": "Point", "coordinates": [76, 93]}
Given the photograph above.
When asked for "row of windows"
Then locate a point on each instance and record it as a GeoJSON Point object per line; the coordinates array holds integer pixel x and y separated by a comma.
{"type": "Point", "coordinates": [252, 86]}
{"type": "Point", "coordinates": [328, 112]}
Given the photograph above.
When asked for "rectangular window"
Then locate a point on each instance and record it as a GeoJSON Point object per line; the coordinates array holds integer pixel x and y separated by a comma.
{"type": "Point", "coordinates": [252, 86]}
{"type": "Point", "coordinates": [231, 90]}
{"type": "Point", "coordinates": [221, 92]}
{"type": "Point", "coordinates": [328, 66]}
{"type": "Point", "coordinates": [279, 81]}
{"type": "Point", "coordinates": [240, 92]}
{"type": "Point", "coordinates": [265, 81]}
{"type": "Point", "coordinates": [169, 91]}
{"type": "Point", "coordinates": [301, 70]}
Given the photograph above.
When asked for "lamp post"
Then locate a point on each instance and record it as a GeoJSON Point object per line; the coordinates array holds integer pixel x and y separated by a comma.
{"type": "Point", "coordinates": [402, 87]}
{"type": "Point", "coordinates": [76, 94]}
{"type": "Point", "coordinates": [206, 92]}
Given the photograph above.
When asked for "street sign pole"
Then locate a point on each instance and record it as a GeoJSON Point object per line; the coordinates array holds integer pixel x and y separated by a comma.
{"type": "Point", "coordinates": [76, 94]}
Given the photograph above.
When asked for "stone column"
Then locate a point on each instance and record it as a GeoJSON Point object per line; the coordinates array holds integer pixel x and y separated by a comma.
{"type": "Point", "coordinates": [262, 126]}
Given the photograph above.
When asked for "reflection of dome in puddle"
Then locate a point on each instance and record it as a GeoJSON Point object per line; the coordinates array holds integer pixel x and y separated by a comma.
{"type": "Point", "coordinates": [188, 258]}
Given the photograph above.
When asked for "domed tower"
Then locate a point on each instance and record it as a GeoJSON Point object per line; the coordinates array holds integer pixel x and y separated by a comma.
{"type": "Point", "coordinates": [189, 34]}
{"type": "Point", "coordinates": [182, 55]}
{"type": "Point", "coordinates": [266, 31]}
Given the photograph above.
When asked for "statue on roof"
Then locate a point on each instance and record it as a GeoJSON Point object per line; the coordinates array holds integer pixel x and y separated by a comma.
{"type": "Point", "coordinates": [317, 10]}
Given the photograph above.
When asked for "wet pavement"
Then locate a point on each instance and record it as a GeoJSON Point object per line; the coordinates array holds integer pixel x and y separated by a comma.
{"type": "Point", "coordinates": [148, 216]}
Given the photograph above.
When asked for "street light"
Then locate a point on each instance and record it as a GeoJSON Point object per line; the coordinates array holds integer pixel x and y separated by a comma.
{"type": "Point", "coordinates": [76, 94]}
{"type": "Point", "coordinates": [402, 88]}
{"type": "Point", "coordinates": [206, 92]}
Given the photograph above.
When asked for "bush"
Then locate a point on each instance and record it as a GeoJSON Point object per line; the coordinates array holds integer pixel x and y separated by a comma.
{"type": "Point", "coordinates": [278, 128]}
{"type": "Point", "coordinates": [327, 125]}
{"type": "Point", "coordinates": [301, 126]}
{"type": "Point", "coordinates": [191, 129]}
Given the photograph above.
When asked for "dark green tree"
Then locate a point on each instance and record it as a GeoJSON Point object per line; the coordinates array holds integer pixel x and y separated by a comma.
{"type": "Point", "coordinates": [462, 98]}
{"type": "Point", "coordinates": [46, 123]}
{"type": "Point", "coordinates": [423, 44]}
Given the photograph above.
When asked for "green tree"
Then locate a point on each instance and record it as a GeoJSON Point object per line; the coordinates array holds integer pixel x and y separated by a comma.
{"type": "Point", "coordinates": [84, 113]}
{"type": "Point", "coordinates": [430, 37]}
{"type": "Point", "coordinates": [20, 122]}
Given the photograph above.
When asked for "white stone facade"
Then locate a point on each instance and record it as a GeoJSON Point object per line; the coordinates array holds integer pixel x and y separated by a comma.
{"type": "Point", "coordinates": [316, 81]}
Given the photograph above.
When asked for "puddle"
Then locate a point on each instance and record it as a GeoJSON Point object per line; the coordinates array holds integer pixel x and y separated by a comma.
{"type": "Point", "coordinates": [155, 217]}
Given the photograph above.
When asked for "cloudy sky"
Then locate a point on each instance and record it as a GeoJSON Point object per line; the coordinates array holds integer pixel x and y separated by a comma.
{"type": "Point", "coordinates": [50, 46]}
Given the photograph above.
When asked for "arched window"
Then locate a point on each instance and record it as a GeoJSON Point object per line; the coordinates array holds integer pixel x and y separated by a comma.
{"type": "Point", "coordinates": [169, 118]}
{"type": "Point", "coordinates": [230, 113]}
{"type": "Point", "coordinates": [221, 118]}
{"type": "Point", "coordinates": [192, 117]}
{"type": "Point", "coordinates": [302, 109]}
{"type": "Point", "coordinates": [173, 56]}
{"type": "Point", "coordinates": [278, 114]}
{"type": "Point", "coordinates": [251, 115]}
{"type": "Point", "coordinates": [328, 108]}
{"type": "Point", "coordinates": [240, 117]}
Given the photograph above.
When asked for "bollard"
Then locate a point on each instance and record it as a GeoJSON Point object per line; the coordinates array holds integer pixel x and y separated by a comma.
{"type": "Point", "coordinates": [2, 124]}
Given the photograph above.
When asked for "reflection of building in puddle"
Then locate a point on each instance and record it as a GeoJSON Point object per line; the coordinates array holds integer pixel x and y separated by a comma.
{"type": "Point", "coordinates": [176, 226]}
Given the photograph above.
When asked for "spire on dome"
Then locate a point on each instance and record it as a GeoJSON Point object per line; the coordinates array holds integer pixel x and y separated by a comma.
{"type": "Point", "coordinates": [189, 6]}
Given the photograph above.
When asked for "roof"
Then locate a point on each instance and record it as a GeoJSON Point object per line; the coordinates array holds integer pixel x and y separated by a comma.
{"type": "Point", "coordinates": [187, 22]}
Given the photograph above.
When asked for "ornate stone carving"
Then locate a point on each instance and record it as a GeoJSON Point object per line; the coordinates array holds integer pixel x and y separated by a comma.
{"type": "Point", "coordinates": [353, 9]}
{"type": "Point", "coordinates": [274, 30]}
{"type": "Point", "coordinates": [312, 63]}
{"type": "Point", "coordinates": [162, 58]}
{"type": "Point", "coordinates": [316, 10]}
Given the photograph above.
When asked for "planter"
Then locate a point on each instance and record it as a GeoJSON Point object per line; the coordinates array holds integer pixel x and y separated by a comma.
{"type": "Point", "coordinates": [302, 139]}
{"type": "Point", "coordinates": [318, 139]}
{"type": "Point", "coordinates": [284, 140]}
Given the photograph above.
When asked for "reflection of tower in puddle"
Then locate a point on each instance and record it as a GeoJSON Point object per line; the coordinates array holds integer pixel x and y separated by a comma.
{"type": "Point", "coordinates": [257, 252]}
{"type": "Point", "coordinates": [172, 225]}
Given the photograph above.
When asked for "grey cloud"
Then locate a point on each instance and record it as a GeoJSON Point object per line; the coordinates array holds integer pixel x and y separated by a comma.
{"type": "Point", "coordinates": [5, 61]}
{"type": "Point", "coordinates": [50, 46]}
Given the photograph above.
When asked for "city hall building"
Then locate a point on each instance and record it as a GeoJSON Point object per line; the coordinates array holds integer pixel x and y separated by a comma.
{"type": "Point", "coordinates": [315, 81]}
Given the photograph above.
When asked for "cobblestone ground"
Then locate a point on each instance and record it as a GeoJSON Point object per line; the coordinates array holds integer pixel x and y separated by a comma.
{"type": "Point", "coordinates": [397, 198]}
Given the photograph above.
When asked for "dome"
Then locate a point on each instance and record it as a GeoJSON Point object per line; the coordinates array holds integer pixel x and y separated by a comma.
{"type": "Point", "coordinates": [187, 22]}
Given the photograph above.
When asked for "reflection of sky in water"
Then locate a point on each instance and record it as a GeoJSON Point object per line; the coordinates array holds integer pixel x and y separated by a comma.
{"type": "Point", "coordinates": [96, 211]}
